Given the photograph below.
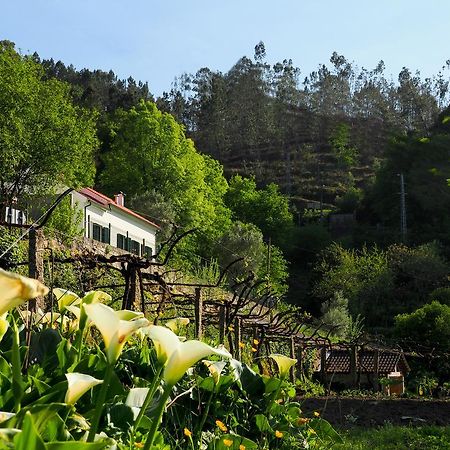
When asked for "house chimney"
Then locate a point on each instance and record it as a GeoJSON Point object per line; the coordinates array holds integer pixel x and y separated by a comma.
{"type": "Point", "coordinates": [119, 199]}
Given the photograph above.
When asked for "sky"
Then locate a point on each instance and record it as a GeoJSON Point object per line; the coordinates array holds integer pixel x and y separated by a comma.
{"type": "Point", "coordinates": [158, 40]}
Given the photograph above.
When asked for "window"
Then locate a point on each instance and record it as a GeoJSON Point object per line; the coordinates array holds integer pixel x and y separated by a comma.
{"type": "Point", "coordinates": [100, 233]}
{"type": "Point", "coordinates": [105, 235]}
{"type": "Point", "coordinates": [121, 241]}
{"type": "Point", "coordinates": [148, 252]}
{"type": "Point", "coordinates": [135, 247]}
{"type": "Point", "coordinates": [96, 232]}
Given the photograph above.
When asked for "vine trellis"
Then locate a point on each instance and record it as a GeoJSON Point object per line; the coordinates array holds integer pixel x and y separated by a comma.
{"type": "Point", "coordinates": [247, 311]}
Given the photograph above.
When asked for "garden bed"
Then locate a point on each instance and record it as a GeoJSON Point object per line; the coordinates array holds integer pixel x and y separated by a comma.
{"type": "Point", "coordinates": [347, 412]}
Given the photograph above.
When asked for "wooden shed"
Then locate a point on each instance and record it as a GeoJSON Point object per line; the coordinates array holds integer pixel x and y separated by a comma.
{"type": "Point", "coordinates": [364, 368]}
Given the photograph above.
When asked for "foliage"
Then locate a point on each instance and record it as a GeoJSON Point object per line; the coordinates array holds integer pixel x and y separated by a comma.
{"type": "Point", "coordinates": [350, 200]}
{"type": "Point", "coordinates": [441, 295]}
{"type": "Point", "coordinates": [307, 242]}
{"type": "Point", "coordinates": [154, 205]}
{"type": "Point", "coordinates": [66, 220]}
{"type": "Point", "coordinates": [428, 326]}
{"type": "Point", "coordinates": [51, 410]}
{"type": "Point", "coordinates": [266, 208]}
{"type": "Point", "coordinates": [380, 284]}
{"type": "Point", "coordinates": [425, 166]}
{"type": "Point", "coordinates": [391, 437]}
{"type": "Point", "coordinates": [150, 152]}
{"type": "Point", "coordinates": [46, 141]}
{"type": "Point", "coordinates": [340, 144]}
{"type": "Point", "coordinates": [335, 314]}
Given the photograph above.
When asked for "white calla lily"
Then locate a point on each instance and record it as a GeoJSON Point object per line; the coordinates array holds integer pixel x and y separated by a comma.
{"type": "Point", "coordinates": [4, 325]}
{"type": "Point", "coordinates": [113, 329]}
{"type": "Point", "coordinates": [90, 298]}
{"type": "Point", "coordinates": [284, 363]}
{"type": "Point", "coordinates": [136, 399]}
{"type": "Point", "coordinates": [179, 356]}
{"type": "Point", "coordinates": [78, 385]}
{"type": "Point", "coordinates": [16, 289]}
{"type": "Point", "coordinates": [177, 323]}
{"type": "Point", "coordinates": [65, 298]}
{"type": "Point", "coordinates": [215, 369]}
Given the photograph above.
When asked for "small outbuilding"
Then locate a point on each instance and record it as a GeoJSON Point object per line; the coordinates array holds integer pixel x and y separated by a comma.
{"type": "Point", "coordinates": [349, 368]}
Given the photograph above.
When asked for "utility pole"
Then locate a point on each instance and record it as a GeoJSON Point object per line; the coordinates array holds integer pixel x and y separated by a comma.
{"type": "Point", "coordinates": [403, 228]}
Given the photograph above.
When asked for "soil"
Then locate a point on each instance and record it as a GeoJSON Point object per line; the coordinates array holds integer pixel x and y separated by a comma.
{"type": "Point", "coordinates": [348, 412]}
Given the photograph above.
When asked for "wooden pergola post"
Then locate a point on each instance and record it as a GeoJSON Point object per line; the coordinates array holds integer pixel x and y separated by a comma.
{"type": "Point", "coordinates": [198, 305]}
{"type": "Point", "coordinates": [36, 264]}
{"type": "Point", "coordinates": [292, 355]}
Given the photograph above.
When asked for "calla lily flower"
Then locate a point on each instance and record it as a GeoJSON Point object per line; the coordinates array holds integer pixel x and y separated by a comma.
{"type": "Point", "coordinates": [79, 384]}
{"type": "Point", "coordinates": [284, 363]}
{"type": "Point", "coordinates": [16, 289]}
{"type": "Point", "coordinates": [4, 325]}
{"type": "Point", "coordinates": [90, 298]}
{"type": "Point", "coordinates": [177, 323]}
{"type": "Point", "coordinates": [65, 298]}
{"type": "Point", "coordinates": [113, 329]}
{"type": "Point", "coordinates": [215, 369]}
{"type": "Point", "coordinates": [135, 400]}
{"type": "Point", "coordinates": [179, 356]}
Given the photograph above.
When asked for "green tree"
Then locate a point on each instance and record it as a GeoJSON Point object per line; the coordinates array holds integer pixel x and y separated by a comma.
{"type": "Point", "coordinates": [267, 208]}
{"type": "Point", "coordinates": [335, 314]}
{"type": "Point", "coordinates": [45, 141]}
{"type": "Point", "coordinates": [429, 328]}
{"type": "Point", "coordinates": [150, 152]}
{"type": "Point", "coordinates": [425, 164]}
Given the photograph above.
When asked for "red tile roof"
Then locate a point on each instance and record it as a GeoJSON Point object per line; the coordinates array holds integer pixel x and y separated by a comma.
{"type": "Point", "coordinates": [105, 201]}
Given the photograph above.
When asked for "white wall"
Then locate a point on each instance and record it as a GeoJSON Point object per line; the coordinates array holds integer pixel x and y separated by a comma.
{"type": "Point", "coordinates": [117, 220]}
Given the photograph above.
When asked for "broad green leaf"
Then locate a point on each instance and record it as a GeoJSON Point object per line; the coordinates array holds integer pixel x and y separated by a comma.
{"type": "Point", "coordinates": [262, 423]}
{"type": "Point", "coordinates": [77, 445]}
{"type": "Point", "coordinates": [29, 438]}
{"type": "Point", "coordinates": [325, 431]}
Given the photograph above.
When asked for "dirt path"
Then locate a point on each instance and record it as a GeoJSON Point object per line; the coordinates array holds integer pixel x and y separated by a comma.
{"type": "Point", "coordinates": [347, 412]}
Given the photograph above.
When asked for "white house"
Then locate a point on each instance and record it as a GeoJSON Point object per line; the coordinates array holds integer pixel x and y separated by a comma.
{"type": "Point", "coordinates": [109, 221]}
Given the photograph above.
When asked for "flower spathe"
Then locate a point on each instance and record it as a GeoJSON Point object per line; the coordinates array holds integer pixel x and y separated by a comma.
{"type": "Point", "coordinates": [215, 369]}
{"type": "Point", "coordinates": [65, 298]}
{"type": "Point", "coordinates": [284, 363]}
{"type": "Point", "coordinates": [78, 385]}
{"type": "Point", "coordinates": [114, 330]}
{"type": "Point", "coordinates": [179, 356]}
{"type": "Point", "coordinates": [177, 323]}
{"type": "Point", "coordinates": [16, 289]}
{"type": "Point", "coordinates": [4, 325]}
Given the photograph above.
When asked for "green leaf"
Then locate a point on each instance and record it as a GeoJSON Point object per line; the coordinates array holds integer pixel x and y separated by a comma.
{"type": "Point", "coordinates": [271, 384]}
{"type": "Point", "coordinates": [121, 416]}
{"type": "Point", "coordinates": [43, 348]}
{"type": "Point", "coordinates": [325, 431]}
{"type": "Point", "coordinates": [252, 382]}
{"type": "Point", "coordinates": [29, 437]}
{"type": "Point", "coordinates": [77, 445]}
{"type": "Point", "coordinates": [262, 423]}
{"type": "Point", "coordinates": [445, 119]}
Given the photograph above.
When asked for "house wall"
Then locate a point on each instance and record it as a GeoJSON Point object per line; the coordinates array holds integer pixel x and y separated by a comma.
{"type": "Point", "coordinates": [116, 221]}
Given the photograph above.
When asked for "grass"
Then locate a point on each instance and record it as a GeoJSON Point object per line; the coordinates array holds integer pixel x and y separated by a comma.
{"type": "Point", "coordinates": [391, 437]}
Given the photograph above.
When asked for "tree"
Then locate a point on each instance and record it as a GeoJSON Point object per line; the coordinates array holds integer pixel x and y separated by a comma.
{"type": "Point", "coordinates": [425, 165]}
{"type": "Point", "coordinates": [267, 208]}
{"type": "Point", "coordinates": [45, 141]}
{"type": "Point", "coordinates": [149, 152]}
{"type": "Point", "coordinates": [335, 314]}
{"type": "Point", "coordinates": [429, 328]}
